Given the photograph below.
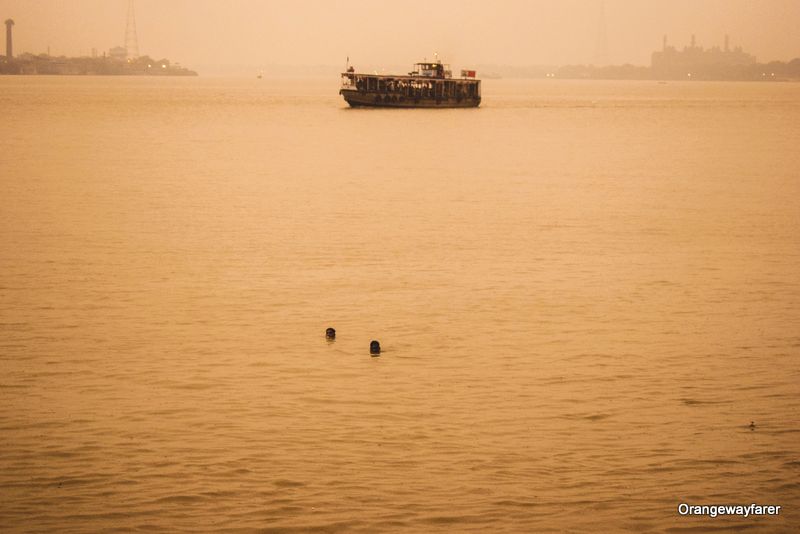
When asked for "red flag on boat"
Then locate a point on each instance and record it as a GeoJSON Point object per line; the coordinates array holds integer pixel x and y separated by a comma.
{"type": "Point", "coordinates": [467, 73]}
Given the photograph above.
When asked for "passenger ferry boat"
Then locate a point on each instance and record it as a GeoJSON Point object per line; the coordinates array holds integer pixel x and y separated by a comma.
{"type": "Point", "coordinates": [429, 85]}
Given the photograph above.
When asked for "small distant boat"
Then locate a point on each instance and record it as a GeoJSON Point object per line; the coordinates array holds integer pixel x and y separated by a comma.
{"type": "Point", "coordinates": [429, 85]}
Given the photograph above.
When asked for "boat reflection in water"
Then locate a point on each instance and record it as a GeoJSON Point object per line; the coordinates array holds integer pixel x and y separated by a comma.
{"type": "Point", "coordinates": [430, 85]}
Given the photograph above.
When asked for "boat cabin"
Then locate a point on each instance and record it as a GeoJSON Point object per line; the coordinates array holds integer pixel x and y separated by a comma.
{"type": "Point", "coordinates": [431, 70]}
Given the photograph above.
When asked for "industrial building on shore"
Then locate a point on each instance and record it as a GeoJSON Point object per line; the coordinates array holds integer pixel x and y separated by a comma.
{"type": "Point", "coordinates": [119, 61]}
{"type": "Point", "coordinates": [692, 63]}
{"type": "Point", "coordinates": [696, 62]}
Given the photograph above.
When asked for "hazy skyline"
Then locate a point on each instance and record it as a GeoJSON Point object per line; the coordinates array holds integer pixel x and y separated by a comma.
{"type": "Point", "coordinates": [219, 36]}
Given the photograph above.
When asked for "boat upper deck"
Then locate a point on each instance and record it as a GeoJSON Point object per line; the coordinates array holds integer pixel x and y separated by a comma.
{"type": "Point", "coordinates": [395, 83]}
{"type": "Point", "coordinates": [424, 71]}
{"type": "Point", "coordinates": [352, 75]}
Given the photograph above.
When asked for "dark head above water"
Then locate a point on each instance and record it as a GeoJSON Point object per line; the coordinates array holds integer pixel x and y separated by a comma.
{"type": "Point", "coordinates": [330, 333]}
{"type": "Point", "coordinates": [752, 425]}
{"type": "Point", "coordinates": [374, 347]}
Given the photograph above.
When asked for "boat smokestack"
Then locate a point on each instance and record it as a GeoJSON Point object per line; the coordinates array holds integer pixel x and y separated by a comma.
{"type": "Point", "coordinates": [9, 40]}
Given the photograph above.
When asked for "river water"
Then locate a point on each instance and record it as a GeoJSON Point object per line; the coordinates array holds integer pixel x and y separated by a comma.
{"type": "Point", "coordinates": [585, 292]}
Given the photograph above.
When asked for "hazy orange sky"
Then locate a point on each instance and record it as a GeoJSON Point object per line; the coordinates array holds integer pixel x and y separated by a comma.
{"type": "Point", "coordinates": [223, 35]}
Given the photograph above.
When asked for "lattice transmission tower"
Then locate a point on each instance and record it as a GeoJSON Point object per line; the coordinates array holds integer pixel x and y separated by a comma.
{"type": "Point", "coordinates": [601, 45]}
{"type": "Point", "coordinates": [131, 40]}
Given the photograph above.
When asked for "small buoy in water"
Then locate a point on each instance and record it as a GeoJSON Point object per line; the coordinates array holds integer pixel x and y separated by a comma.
{"type": "Point", "coordinates": [752, 425]}
{"type": "Point", "coordinates": [330, 333]}
{"type": "Point", "coordinates": [374, 347]}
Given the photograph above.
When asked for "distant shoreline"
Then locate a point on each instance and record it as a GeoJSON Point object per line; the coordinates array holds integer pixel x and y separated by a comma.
{"type": "Point", "coordinates": [46, 65]}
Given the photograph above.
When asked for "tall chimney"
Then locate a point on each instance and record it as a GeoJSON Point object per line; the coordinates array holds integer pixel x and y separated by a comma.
{"type": "Point", "coordinates": [693, 41]}
{"type": "Point", "coordinates": [664, 44]}
{"type": "Point", "coordinates": [9, 41]}
{"type": "Point", "coordinates": [727, 43]}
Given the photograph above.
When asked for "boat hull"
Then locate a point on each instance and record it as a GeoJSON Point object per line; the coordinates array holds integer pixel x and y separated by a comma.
{"type": "Point", "coordinates": [376, 100]}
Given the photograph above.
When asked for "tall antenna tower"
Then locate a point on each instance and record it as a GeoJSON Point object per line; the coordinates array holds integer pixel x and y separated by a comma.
{"type": "Point", "coordinates": [131, 40]}
{"type": "Point", "coordinates": [601, 46]}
